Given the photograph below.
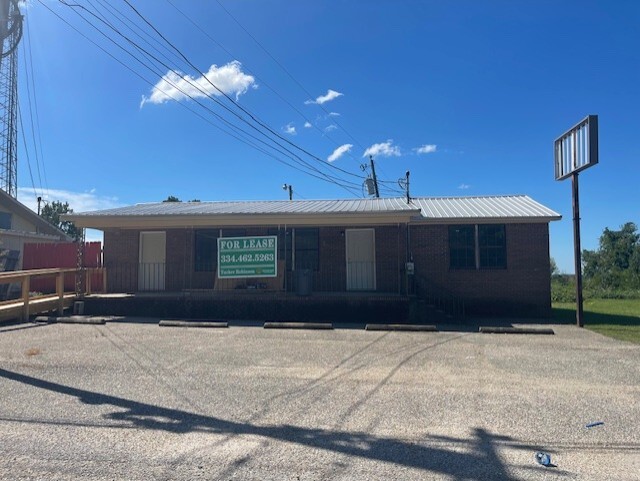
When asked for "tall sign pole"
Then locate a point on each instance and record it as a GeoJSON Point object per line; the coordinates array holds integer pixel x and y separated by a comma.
{"type": "Point", "coordinates": [577, 252]}
{"type": "Point", "coordinates": [576, 150]}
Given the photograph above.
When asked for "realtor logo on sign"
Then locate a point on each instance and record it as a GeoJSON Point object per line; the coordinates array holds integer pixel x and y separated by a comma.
{"type": "Point", "coordinates": [247, 257]}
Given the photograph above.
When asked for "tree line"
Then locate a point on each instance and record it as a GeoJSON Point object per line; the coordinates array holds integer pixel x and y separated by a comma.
{"type": "Point", "coordinates": [611, 270]}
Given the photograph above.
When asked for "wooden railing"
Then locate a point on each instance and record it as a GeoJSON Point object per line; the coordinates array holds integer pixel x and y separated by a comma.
{"type": "Point", "coordinates": [29, 303]}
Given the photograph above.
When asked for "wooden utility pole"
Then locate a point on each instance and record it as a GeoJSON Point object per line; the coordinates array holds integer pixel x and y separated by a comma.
{"type": "Point", "coordinates": [288, 187]}
{"type": "Point", "coordinates": [375, 179]}
{"type": "Point", "coordinates": [408, 196]}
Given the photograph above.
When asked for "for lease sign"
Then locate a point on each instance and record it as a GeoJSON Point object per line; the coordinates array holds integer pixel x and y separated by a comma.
{"type": "Point", "coordinates": [247, 257]}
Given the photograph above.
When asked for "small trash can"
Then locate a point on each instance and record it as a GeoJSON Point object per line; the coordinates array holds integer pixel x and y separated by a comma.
{"type": "Point", "coordinates": [303, 282]}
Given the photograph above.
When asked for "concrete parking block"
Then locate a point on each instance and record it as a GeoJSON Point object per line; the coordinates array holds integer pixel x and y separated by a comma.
{"type": "Point", "coordinates": [400, 327]}
{"type": "Point", "coordinates": [178, 323]}
{"type": "Point", "coordinates": [297, 325]}
{"type": "Point", "coordinates": [515, 330]}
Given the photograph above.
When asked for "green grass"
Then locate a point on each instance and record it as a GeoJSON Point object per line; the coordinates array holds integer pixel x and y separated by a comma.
{"type": "Point", "coordinates": [617, 318]}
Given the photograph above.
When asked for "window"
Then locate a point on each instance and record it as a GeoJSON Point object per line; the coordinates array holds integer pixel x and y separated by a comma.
{"type": "Point", "coordinates": [462, 247]}
{"type": "Point", "coordinates": [307, 244]}
{"type": "Point", "coordinates": [492, 247]}
{"type": "Point", "coordinates": [206, 250]}
{"type": "Point", "coordinates": [477, 246]}
{"type": "Point", "coordinates": [5, 220]}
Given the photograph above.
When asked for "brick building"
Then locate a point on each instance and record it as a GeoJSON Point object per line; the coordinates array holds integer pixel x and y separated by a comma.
{"type": "Point", "coordinates": [491, 253]}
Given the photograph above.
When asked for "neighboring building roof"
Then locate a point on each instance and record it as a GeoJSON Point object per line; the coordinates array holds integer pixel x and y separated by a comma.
{"type": "Point", "coordinates": [40, 224]}
{"type": "Point", "coordinates": [322, 212]}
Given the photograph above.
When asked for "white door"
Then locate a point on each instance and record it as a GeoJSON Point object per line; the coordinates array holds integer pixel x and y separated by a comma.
{"type": "Point", "coordinates": [153, 255]}
{"type": "Point", "coordinates": [361, 259]}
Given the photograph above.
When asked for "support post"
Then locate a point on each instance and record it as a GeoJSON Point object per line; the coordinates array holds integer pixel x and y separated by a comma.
{"type": "Point", "coordinates": [577, 252]}
{"type": "Point", "coordinates": [26, 284]}
{"type": "Point", "coordinates": [88, 275]}
{"type": "Point", "coordinates": [104, 280]}
{"type": "Point", "coordinates": [60, 292]}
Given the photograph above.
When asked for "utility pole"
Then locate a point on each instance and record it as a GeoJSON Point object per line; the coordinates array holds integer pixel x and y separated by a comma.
{"type": "Point", "coordinates": [39, 201]}
{"type": "Point", "coordinates": [288, 187]}
{"type": "Point", "coordinates": [375, 179]}
{"type": "Point", "coordinates": [404, 184]}
{"type": "Point", "coordinates": [407, 181]}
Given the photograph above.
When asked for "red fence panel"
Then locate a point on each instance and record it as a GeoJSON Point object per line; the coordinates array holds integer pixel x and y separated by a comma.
{"type": "Point", "coordinates": [61, 254]}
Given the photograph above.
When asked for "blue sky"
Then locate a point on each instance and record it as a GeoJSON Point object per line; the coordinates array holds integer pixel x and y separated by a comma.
{"type": "Point", "coordinates": [468, 96]}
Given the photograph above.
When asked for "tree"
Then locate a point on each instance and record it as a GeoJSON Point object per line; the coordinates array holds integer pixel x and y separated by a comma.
{"type": "Point", "coordinates": [172, 198]}
{"type": "Point", "coordinates": [616, 263]}
{"type": "Point", "coordinates": [554, 267]}
{"type": "Point", "coordinates": [51, 212]}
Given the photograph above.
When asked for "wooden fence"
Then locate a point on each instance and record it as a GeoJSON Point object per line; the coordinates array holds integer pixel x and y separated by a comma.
{"type": "Point", "coordinates": [31, 302]}
{"type": "Point", "coordinates": [61, 255]}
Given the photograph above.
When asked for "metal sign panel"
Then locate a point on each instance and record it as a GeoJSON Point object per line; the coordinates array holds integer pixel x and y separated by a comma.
{"type": "Point", "coordinates": [247, 257]}
{"type": "Point", "coordinates": [577, 148]}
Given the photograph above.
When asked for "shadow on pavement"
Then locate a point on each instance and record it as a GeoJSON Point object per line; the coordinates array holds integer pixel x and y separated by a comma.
{"type": "Point", "coordinates": [479, 461]}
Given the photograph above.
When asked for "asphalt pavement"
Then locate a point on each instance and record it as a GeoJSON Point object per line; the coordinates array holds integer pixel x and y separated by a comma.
{"type": "Point", "coordinates": [130, 400]}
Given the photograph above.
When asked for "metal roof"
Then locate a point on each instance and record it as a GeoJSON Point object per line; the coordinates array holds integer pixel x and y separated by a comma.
{"type": "Point", "coordinates": [311, 207]}
{"type": "Point", "coordinates": [512, 207]}
{"type": "Point", "coordinates": [487, 207]}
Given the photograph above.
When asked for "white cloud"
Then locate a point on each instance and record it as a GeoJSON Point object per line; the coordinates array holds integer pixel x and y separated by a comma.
{"type": "Point", "coordinates": [339, 152]}
{"type": "Point", "coordinates": [464, 186]}
{"type": "Point", "coordinates": [331, 127]}
{"type": "Point", "coordinates": [175, 85]}
{"type": "Point", "coordinates": [384, 149]}
{"type": "Point", "coordinates": [307, 125]}
{"type": "Point", "coordinates": [334, 114]}
{"type": "Point", "coordinates": [78, 201]}
{"type": "Point", "coordinates": [331, 94]}
{"type": "Point", "coordinates": [426, 149]}
{"type": "Point", "coordinates": [289, 129]}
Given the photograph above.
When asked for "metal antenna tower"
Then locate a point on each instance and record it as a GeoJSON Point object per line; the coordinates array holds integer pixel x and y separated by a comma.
{"type": "Point", "coordinates": [10, 35]}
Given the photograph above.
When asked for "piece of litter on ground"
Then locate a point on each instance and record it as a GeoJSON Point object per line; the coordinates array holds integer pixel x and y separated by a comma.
{"type": "Point", "coordinates": [594, 424]}
{"type": "Point", "coordinates": [543, 458]}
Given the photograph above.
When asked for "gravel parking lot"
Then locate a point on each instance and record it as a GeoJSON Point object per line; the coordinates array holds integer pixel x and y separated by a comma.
{"type": "Point", "coordinates": [131, 400]}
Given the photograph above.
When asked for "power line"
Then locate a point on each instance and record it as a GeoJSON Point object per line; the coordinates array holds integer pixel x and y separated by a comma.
{"type": "Point", "coordinates": [233, 102]}
{"type": "Point", "coordinates": [285, 70]}
{"type": "Point", "coordinates": [35, 104]}
{"type": "Point", "coordinates": [26, 151]}
{"type": "Point", "coordinates": [184, 93]}
{"type": "Point", "coordinates": [144, 51]}
{"type": "Point", "coordinates": [31, 118]}
{"type": "Point", "coordinates": [278, 146]}
{"type": "Point", "coordinates": [262, 81]}
{"type": "Point", "coordinates": [148, 54]}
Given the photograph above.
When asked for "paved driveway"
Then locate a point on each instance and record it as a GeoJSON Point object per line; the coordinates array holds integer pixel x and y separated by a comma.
{"type": "Point", "coordinates": [138, 402]}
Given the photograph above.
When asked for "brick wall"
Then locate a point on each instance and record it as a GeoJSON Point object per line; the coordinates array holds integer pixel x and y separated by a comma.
{"type": "Point", "coordinates": [522, 289]}
{"type": "Point", "coordinates": [391, 256]}
{"type": "Point", "coordinates": [180, 264]}
{"type": "Point", "coordinates": [122, 248]}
